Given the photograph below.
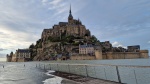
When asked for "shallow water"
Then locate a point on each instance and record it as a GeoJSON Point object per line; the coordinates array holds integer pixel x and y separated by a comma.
{"type": "Point", "coordinates": [139, 62]}
{"type": "Point", "coordinates": [34, 73]}
{"type": "Point", "coordinates": [21, 73]}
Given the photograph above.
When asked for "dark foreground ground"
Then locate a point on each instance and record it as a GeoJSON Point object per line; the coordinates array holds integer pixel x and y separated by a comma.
{"type": "Point", "coordinates": [76, 79]}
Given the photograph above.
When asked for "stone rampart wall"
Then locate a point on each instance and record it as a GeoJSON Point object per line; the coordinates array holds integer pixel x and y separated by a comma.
{"type": "Point", "coordinates": [20, 60]}
{"type": "Point", "coordinates": [84, 57]}
{"type": "Point", "coordinates": [125, 55]}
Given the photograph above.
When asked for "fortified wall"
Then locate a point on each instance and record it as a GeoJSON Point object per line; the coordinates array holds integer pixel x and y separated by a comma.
{"type": "Point", "coordinates": [112, 55]}
{"type": "Point", "coordinates": [122, 55]}
{"type": "Point", "coordinates": [84, 57]}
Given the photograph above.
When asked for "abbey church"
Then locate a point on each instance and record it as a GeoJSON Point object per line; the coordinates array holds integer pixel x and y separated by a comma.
{"type": "Point", "coordinates": [72, 27]}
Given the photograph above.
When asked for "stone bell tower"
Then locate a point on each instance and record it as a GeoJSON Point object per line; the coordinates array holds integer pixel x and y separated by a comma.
{"type": "Point", "coordinates": [70, 17]}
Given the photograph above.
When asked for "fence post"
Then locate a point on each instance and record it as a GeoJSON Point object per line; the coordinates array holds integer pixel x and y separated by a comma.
{"type": "Point", "coordinates": [44, 66]}
{"type": "Point", "coordinates": [57, 68]}
{"type": "Point", "coordinates": [95, 72]}
{"type": "Point", "coordinates": [105, 74]}
{"type": "Point", "coordinates": [86, 70]}
{"type": "Point", "coordinates": [135, 77]}
{"type": "Point", "coordinates": [119, 79]}
{"type": "Point", "coordinates": [69, 68]}
{"type": "Point", "coordinates": [50, 66]}
{"type": "Point", "coordinates": [69, 71]}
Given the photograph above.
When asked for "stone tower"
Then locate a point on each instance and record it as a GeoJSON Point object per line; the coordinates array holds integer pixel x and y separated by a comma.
{"type": "Point", "coordinates": [70, 17]}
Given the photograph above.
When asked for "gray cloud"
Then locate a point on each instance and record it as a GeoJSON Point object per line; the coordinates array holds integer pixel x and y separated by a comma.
{"type": "Point", "coordinates": [2, 55]}
{"type": "Point", "coordinates": [22, 25]}
{"type": "Point", "coordinates": [1, 49]}
{"type": "Point", "coordinates": [117, 44]}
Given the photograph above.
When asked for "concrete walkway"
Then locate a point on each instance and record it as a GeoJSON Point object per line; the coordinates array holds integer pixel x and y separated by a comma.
{"type": "Point", "coordinates": [93, 81]}
{"type": "Point", "coordinates": [76, 79]}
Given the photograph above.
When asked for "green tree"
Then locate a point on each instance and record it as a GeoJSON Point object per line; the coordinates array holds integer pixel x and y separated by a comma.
{"type": "Point", "coordinates": [93, 39]}
{"type": "Point", "coordinates": [31, 46]}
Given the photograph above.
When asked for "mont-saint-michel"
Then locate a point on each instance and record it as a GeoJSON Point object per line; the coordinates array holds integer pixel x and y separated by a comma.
{"type": "Point", "coordinates": [71, 40]}
{"type": "Point", "coordinates": [74, 42]}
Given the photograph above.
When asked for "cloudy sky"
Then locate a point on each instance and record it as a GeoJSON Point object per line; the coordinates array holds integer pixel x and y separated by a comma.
{"type": "Point", "coordinates": [122, 22]}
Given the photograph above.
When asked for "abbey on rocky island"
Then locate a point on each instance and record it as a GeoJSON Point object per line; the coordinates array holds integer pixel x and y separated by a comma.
{"type": "Point", "coordinates": [72, 41]}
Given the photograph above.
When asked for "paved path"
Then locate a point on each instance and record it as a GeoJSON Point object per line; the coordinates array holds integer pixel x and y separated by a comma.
{"type": "Point", "coordinates": [76, 79]}
{"type": "Point", "coordinates": [93, 81]}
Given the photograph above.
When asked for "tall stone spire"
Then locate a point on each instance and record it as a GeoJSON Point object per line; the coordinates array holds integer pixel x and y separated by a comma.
{"type": "Point", "coordinates": [70, 9]}
{"type": "Point", "coordinates": [70, 15]}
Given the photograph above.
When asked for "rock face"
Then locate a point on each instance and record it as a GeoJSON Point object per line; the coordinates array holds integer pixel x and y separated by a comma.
{"type": "Point", "coordinates": [63, 38]}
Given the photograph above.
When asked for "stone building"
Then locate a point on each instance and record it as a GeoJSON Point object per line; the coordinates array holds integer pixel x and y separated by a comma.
{"type": "Point", "coordinates": [22, 55]}
{"type": "Point", "coordinates": [87, 49]}
{"type": "Point", "coordinates": [14, 58]}
{"type": "Point", "coordinates": [9, 57]}
{"type": "Point", "coordinates": [134, 48]}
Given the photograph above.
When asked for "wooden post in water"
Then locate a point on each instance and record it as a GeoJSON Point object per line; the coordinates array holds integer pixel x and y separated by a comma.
{"type": "Point", "coordinates": [57, 68]}
{"type": "Point", "coordinates": [50, 66]}
{"type": "Point", "coordinates": [86, 70]}
{"type": "Point", "coordinates": [95, 72]}
{"type": "Point", "coordinates": [119, 79]}
{"type": "Point", "coordinates": [105, 74]}
{"type": "Point", "coordinates": [44, 66]}
{"type": "Point", "coordinates": [135, 77]}
{"type": "Point", "coordinates": [69, 68]}
{"type": "Point", "coordinates": [3, 66]}
{"type": "Point", "coordinates": [39, 65]}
